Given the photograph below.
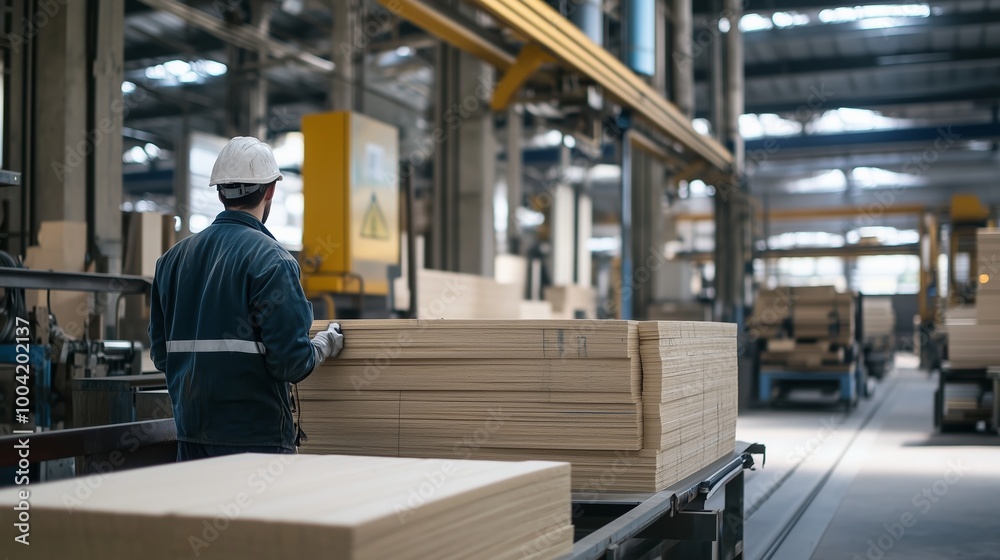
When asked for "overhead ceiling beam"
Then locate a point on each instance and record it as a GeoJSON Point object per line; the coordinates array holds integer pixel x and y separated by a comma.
{"type": "Point", "coordinates": [539, 23]}
{"type": "Point", "coordinates": [814, 66]}
{"type": "Point", "coordinates": [942, 136]}
{"type": "Point", "coordinates": [862, 29]}
{"type": "Point", "coordinates": [795, 5]}
{"type": "Point", "coordinates": [975, 92]}
{"type": "Point", "coordinates": [245, 37]}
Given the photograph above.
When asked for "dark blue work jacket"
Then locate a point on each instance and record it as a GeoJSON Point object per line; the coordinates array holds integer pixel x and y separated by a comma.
{"type": "Point", "coordinates": [229, 325]}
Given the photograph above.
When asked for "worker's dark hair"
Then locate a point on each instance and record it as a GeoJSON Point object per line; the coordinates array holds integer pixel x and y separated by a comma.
{"type": "Point", "coordinates": [247, 202]}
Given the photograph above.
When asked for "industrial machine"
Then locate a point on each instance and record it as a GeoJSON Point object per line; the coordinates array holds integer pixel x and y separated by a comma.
{"type": "Point", "coordinates": [350, 235]}
{"type": "Point", "coordinates": [64, 370]}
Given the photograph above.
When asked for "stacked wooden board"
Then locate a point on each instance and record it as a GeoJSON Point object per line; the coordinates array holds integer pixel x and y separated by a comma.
{"type": "Point", "coordinates": [300, 506]}
{"type": "Point", "coordinates": [807, 328]}
{"type": "Point", "coordinates": [973, 333]}
{"type": "Point", "coordinates": [879, 318]}
{"type": "Point", "coordinates": [575, 391]}
{"type": "Point", "coordinates": [988, 294]}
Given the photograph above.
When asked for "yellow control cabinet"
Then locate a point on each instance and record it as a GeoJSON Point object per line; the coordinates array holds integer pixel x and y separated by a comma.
{"type": "Point", "coordinates": [351, 188]}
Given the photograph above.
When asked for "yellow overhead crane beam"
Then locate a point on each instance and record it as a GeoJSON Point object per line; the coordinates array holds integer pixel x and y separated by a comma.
{"type": "Point", "coordinates": [441, 25]}
{"type": "Point", "coordinates": [541, 24]}
{"type": "Point", "coordinates": [546, 30]}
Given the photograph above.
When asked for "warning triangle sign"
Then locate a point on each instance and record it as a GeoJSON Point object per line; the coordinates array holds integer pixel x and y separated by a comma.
{"type": "Point", "coordinates": [373, 224]}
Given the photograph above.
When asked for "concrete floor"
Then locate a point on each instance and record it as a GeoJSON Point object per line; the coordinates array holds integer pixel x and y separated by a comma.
{"type": "Point", "coordinates": [875, 484]}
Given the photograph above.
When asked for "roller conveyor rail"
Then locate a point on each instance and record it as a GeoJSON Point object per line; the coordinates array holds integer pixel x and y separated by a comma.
{"type": "Point", "coordinates": [673, 522]}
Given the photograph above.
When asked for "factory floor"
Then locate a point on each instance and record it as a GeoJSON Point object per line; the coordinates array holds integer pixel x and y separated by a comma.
{"type": "Point", "coordinates": [875, 484]}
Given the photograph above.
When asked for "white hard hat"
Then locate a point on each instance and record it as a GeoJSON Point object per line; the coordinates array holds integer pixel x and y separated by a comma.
{"type": "Point", "coordinates": [247, 164]}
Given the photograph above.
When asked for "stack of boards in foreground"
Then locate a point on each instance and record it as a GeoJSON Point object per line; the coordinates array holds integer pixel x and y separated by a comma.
{"type": "Point", "coordinates": [807, 328]}
{"type": "Point", "coordinates": [633, 406]}
{"type": "Point", "coordinates": [302, 506]}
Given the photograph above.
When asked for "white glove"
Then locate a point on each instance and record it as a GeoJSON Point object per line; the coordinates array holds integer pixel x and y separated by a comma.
{"type": "Point", "coordinates": [327, 344]}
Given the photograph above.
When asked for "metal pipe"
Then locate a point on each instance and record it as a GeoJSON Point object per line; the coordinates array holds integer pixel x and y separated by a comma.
{"type": "Point", "coordinates": [343, 45]}
{"type": "Point", "coordinates": [639, 36]}
{"type": "Point", "coordinates": [625, 311]}
{"type": "Point", "coordinates": [717, 78]}
{"type": "Point", "coordinates": [515, 126]}
{"type": "Point", "coordinates": [587, 15]}
{"type": "Point", "coordinates": [734, 81]}
{"type": "Point", "coordinates": [683, 60]}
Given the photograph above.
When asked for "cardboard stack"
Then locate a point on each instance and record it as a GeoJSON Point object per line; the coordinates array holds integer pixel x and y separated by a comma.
{"type": "Point", "coordinates": [574, 391]}
{"type": "Point", "coordinates": [298, 506]}
{"type": "Point", "coordinates": [807, 328]}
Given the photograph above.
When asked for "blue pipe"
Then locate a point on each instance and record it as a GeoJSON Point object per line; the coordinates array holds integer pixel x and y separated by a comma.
{"type": "Point", "coordinates": [640, 35]}
{"type": "Point", "coordinates": [587, 15]}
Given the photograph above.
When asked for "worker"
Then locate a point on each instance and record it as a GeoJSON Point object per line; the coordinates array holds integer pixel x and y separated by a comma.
{"type": "Point", "coordinates": [229, 322]}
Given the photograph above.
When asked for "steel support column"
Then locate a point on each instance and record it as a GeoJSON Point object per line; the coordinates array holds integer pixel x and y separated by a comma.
{"type": "Point", "coordinates": [682, 60]}
{"type": "Point", "coordinates": [260, 17]}
{"type": "Point", "coordinates": [464, 165]}
{"type": "Point", "coordinates": [515, 176]}
{"type": "Point", "coordinates": [345, 46]}
{"type": "Point", "coordinates": [625, 305]}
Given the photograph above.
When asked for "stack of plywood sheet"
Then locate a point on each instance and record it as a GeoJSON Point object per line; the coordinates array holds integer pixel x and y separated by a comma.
{"type": "Point", "coordinates": [973, 332]}
{"type": "Point", "coordinates": [689, 394]}
{"type": "Point", "coordinates": [988, 294]}
{"type": "Point", "coordinates": [879, 318]}
{"type": "Point", "coordinates": [804, 328]}
{"type": "Point", "coordinates": [572, 391]}
{"type": "Point", "coordinates": [772, 313]}
{"type": "Point", "coordinates": [299, 506]}
{"type": "Point", "coordinates": [879, 323]}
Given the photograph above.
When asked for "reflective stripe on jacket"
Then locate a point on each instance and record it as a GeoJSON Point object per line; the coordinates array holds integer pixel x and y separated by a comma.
{"type": "Point", "coordinates": [229, 325]}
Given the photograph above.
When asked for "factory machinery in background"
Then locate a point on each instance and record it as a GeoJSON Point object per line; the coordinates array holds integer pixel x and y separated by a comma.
{"type": "Point", "coordinates": [74, 381]}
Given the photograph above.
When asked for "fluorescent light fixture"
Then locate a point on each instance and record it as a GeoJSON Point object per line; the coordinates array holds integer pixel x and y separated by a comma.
{"type": "Point", "coordinates": [848, 119]}
{"type": "Point", "coordinates": [569, 141]}
{"type": "Point", "coordinates": [404, 51]}
{"type": "Point", "coordinates": [874, 177]}
{"type": "Point", "coordinates": [605, 172]}
{"type": "Point", "coordinates": [701, 126]}
{"type": "Point", "coordinates": [767, 124]}
{"type": "Point", "coordinates": [212, 68]}
{"type": "Point", "coordinates": [177, 67]}
{"type": "Point", "coordinates": [724, 25]}
{"type": "Point", "coordinates": [604, 244]}
{"type": "Point", "coordinates": [886, 12]}
{"type": "Point", "coordinates": [755, 22]}
{"type": "Point", "coordinates": [527, 217]}
{"type": "Point", "coordinates": [152, 150]}
{"type": "Point", "coordinates": [832, 180]}
{"type": "Point", "coordinates": [135, 154]}
{"type": "Point", "coordinates": [128, 87]}
{"type": "Point", "coordinates": [789, 19]}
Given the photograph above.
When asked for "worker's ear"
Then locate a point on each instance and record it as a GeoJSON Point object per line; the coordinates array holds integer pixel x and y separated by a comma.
{"type": "Point", "coordinates": [270, 190]}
